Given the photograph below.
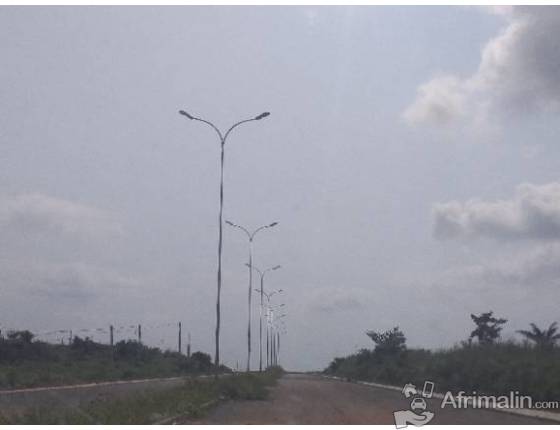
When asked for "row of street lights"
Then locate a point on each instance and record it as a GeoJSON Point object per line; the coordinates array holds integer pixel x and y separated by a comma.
{"type": "Point", "coordinates": [275, 332]}
{"type": "Point", "coordinates": [222, 140]}
{"type": "Point", "coordinates": [268, 296]}
{"type": "Point", "coordinates": [269, 316]}
{"type": "Point", "coordinates": [250, 236]}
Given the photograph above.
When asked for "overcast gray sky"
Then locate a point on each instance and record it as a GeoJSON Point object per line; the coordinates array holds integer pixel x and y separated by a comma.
{"type": "Point", "coordinates": [411, 159]}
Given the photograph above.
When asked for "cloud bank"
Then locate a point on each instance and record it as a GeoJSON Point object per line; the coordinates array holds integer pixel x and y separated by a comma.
{"type": "Point", "coordinates": [519, 71]}
{"type": "Point", "coordinates": [532, 213]}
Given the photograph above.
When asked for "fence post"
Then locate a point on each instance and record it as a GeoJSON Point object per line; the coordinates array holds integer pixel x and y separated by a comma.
{"type": "Point", "coordinates": [139, 333]}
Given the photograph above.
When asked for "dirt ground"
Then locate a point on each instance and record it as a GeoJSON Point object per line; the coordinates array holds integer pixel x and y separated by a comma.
{"type": "Point", "coordinates": [307, 399]}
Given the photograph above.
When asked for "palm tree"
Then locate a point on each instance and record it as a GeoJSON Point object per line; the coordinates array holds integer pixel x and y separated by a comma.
{"type": "Point", "coordinates": [543, 338]}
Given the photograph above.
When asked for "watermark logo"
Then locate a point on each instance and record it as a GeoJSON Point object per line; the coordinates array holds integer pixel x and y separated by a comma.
{"type": "Point", "coordinates": [513, 400]}
{"type": "Point", "coordinates": [417, 414]}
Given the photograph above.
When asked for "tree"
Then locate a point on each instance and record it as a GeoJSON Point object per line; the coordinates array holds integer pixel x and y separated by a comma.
{"type": "Point", "coordinates": [24, 336]}
{"type": "Point", "coordinates": [390, 341]}
{"type": "Point", "coordinates": [201, 361]}
{"type": "Point", "coordinates": [545, 339]}
{"type": "Point", "coordinates": [487, 328]}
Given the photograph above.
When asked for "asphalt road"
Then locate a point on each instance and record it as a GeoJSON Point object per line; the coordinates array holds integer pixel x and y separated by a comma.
{"type": "Point", "coordinates": [307, 399]}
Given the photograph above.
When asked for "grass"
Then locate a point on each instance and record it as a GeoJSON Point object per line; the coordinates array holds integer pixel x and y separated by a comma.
{"type": "Point", "coordinates": [25, 363]}
{"type": "Point", "coordinates": [191, 399]}
{"type": "Point", "coordinates": [487, 369]}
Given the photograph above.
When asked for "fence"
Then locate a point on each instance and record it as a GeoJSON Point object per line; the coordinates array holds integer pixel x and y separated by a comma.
{"type": "Point", "coordinates": [165, 336]}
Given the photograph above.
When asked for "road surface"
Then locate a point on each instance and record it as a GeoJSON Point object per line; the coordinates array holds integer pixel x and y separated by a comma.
{"type": "Point", "coordinates": [307, 399]}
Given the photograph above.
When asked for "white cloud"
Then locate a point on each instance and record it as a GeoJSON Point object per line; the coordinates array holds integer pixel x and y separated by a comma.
{"type": "Point", "coordinates": [440, 101]}
{"type": "Point", "coordinates": [533, 213]}
{"type": "Point", "coordinates": [519, 71]}
{"type": "Point", "coordinates": [38, 213]}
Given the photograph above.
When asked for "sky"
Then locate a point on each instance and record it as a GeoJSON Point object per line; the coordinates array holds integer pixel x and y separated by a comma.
{"type": "Point", "coordinates": [410, 159]}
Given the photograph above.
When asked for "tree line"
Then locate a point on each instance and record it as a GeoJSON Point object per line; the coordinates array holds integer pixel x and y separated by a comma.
{"type": "Point", "coordinates": [483, 362]}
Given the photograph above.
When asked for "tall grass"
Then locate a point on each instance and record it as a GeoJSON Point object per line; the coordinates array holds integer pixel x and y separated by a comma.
{"type": "Point", "coordinates": [27, 363]}
{"type": "Point", "coordinates": [489, 369]}
{"type": "Point", "coordinates": [187, 401]}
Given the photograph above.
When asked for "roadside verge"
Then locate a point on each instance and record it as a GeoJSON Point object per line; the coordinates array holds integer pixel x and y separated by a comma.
{"type": "Point", "coordinates": [533, 413]}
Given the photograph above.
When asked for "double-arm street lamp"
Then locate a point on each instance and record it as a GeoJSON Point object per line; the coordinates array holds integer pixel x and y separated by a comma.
{"type": "Point", "coordinates": [250, 236]}
{"type": "Point", "coordinates": [262, 273]}
{"type": "Point", "coordinates": [223, 138]}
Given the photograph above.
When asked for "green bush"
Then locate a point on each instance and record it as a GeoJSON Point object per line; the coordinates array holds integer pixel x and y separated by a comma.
{"type": "Point", "coordinates": [491, 369]}
{"type": "Point", "coordinates": [25, 362]}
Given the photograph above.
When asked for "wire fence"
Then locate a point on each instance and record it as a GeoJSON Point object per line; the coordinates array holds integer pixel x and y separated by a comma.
{"type": "Point", "coordinates": [164, 336]}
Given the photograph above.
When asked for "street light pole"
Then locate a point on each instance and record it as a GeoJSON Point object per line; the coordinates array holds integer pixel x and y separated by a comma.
{"type": "Point", "coordinates": [223, 137]}
{"type": "Point", "coordinates": [262, 293]}
{"type": "Point", "coordinates": [269, 335]}
{"type": "Point", "coordinates": [250, 236]}
{"type": "Point", "coordinates": [278, 354]}
{"type": "Point", "coordinates": [269, 324]}
{"type": "Point", "coordinates": [277, 347]}
{"type": "Point", "coordinates": [274, 351]}
{"type": "Point", "coordinates": [272, 328]}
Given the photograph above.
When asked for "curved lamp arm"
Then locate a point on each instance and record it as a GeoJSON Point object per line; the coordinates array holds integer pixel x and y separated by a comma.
{"type": "Point", "coordinates": [262, 228]}
{"type": "Point", "coordinates": [241, 228]}
{"type": "Point", "coordinates": [189, 116]}
{"type": "Point", "coordinates": [255, 268]}
{"type": "Point", "coordinates": [257, 118]}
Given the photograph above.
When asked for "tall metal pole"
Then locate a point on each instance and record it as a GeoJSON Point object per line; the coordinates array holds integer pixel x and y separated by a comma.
{"type": "Point", "coordinates": [277, 338]}
{"type": "Point", "coordinates": [278, 348]}
{"type": "Point", "coordinates": [260, 323]}
{"type": "Point", "coordinates": [267, 338]}
{"type": "Point", "coordinates": [218, 298]}
{"type": "Point", "coordinates": [223, 138]}
{"type": "Point", "coordinates": [179, 346]}
{"type": "Point", "coordinates": [272, 345]}
{"type": "Point", "coordinates": [249, 304]}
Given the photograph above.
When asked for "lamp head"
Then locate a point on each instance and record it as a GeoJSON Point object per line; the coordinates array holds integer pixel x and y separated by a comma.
{"type": "Point", "coordinates": [189, 116]}
{"type": "Point", "coordinates": [273, 224]}
{"type": "Point", "coordinates": [262, 115]}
